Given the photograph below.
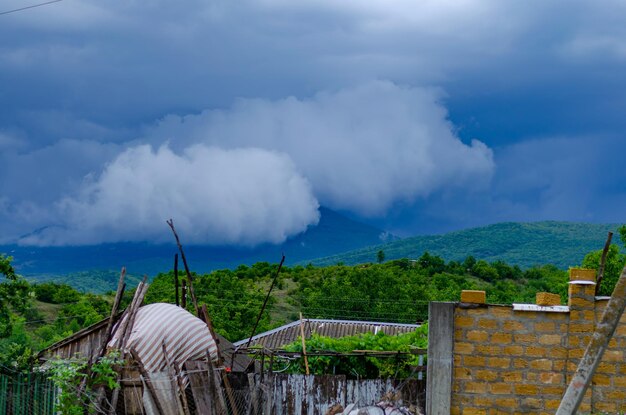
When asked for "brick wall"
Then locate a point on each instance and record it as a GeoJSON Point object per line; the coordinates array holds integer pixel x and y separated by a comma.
{"type": "Point", "coordinates": [506, 360]}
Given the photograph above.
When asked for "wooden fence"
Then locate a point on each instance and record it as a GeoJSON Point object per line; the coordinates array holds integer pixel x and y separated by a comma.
{"type": "Point", "coordinates": [286, 394]}
{"type": "Point", "coordinates": [279, 394]}
{"type": "Point", "coordinates": [314, 395]}
{"type": "Point", "coordinates": [26, 394]}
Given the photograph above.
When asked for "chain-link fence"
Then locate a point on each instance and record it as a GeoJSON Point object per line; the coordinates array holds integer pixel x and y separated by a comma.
{"type": "Point", "coordinates": [26, 394]}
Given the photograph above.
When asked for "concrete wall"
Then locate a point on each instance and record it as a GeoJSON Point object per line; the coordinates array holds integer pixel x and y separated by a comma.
{"type": "Point", "coordinates": [508, 361]}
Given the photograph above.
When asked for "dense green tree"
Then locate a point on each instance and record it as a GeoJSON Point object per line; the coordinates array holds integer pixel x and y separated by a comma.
{"type": "Point", "coordinates": [233, 298]}
{"type": "Point", "coordinates": [55, 293]}
{"type": "Point", "coordinates": [468, 264]}
{"type": "Point", "coordinates": [380, 256]}
{"type": "Point", "coordinates": [613, 266]}
{"type": "Point", "coordinates": [13, 295]}
{"type": "Point", "coordinates": [484, 271]}
{"type": "Point", "coordinates": [432, 264]}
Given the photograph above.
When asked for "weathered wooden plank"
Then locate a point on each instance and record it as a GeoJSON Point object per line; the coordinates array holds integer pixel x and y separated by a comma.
{"type": "Point", "coordinates": [201, 386]}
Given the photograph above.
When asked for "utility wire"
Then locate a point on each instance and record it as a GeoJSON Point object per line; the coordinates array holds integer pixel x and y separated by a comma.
{"type": "Point", "coordinates": [30, 7]}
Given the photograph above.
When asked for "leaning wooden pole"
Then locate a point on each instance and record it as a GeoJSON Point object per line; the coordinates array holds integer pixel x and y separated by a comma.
{"type": "Point", "coordinates": [605, 251]}
{"type": "Point", "coordinates": [148, 381]}
{"type": "Point", "coordinates": [599, 341]}
{"type": "Point", "coordinates": [126, 327]}
{"type": "Point", "coordinates": [267, 297]}
{"type": "Point", "coordinates": [229, 391]}
{"type": "Point", "coordinates": [106, 337]}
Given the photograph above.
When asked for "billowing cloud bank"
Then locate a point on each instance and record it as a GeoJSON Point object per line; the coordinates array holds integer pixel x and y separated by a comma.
{"type": "Point", "coordinates": [259, 171]}
{"type": "Point", "coordinates": [363, 149]}
{"type": "Point", "coordinates": [245, 196]}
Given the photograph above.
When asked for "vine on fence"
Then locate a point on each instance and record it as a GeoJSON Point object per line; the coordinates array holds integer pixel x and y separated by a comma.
{"type": "Point", "coordinates": [362, 366]}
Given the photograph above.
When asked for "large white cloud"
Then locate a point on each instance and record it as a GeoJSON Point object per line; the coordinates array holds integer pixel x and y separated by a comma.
{"type": "Point", "coordinates": [241, 196]}
{"type": "Point", "coordinates": [363, 148]}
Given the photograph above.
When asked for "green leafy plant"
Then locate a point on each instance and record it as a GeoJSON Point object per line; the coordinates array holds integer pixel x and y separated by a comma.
{"type": "Point", "coordinates": [363, 366]}
{"type": "Point", "coordinates": [70, 376]}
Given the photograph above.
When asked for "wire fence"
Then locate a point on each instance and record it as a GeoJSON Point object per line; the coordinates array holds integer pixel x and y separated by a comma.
{"type": "Point", "coordinates": [26, 394]}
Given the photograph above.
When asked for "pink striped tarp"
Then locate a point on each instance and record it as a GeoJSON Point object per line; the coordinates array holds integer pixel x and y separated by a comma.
{"type": "Point", "coordinates": [186, 337]}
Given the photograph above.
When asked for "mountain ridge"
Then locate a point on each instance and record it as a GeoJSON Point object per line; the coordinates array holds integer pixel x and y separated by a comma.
{"type": "Point", "coordinates": [95, 268]}
{"type": "Point", "coordinates": [335, 233]}
{"type": "Point", "coordinates": [525, 244]}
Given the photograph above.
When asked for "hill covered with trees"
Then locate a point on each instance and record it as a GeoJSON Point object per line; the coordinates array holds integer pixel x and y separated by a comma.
{"type": "Point", "coordinates": [562, 244]}
{"type": "Point", "coordinates": [523, 244]}
{"type": "Point", "coordinates": [36, 315]}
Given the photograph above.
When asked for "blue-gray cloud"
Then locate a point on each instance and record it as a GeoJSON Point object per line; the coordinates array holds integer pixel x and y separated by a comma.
{"type": "Point", "coordinates": [363, 148]}
{"type": "Point", "coordinates": [242, 196]}
{"type": "Point", "coordinates": [83, 82]}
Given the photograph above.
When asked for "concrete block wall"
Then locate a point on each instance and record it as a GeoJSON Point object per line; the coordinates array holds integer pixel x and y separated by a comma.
{"type": "Point", "coordinates": [506, 361]}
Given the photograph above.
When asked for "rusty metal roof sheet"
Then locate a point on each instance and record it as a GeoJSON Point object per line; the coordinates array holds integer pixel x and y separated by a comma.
{"type": "Point", "coordinates": [283, 335]}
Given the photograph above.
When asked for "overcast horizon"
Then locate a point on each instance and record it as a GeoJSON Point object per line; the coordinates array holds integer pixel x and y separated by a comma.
{"type": "Point", "coordinates": [239, 119]}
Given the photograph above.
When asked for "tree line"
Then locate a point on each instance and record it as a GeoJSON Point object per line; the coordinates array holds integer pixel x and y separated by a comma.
{"type": "Point", "coordinates": [34, 316]}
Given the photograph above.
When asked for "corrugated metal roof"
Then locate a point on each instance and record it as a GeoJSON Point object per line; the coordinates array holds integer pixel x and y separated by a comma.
{"type": "Point", "coordinates": [281, 336]}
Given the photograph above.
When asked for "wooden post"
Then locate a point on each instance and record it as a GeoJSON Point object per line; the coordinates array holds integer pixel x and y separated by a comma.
{"type": "Point", "coordinates": [125, 329]}
{"type": "Point", "coordinates": [600, 275]}
{"type": "Point", "coordinates": [105, 338]}
{"type": "Point", "coordinates": [142, 289]}
{"type": "Point", "coordinates": [177, 382]}
{"type": "Point", "coordinates": [214, 385]}
{"type": "Point", "coordinates": [148, 381]}
{"type": "Point", "coordinates": [306, 361]}
{"type": "Point", "coordinates": [253, 405]}
{"type": "Point", "coordinates": [176, 278]}
{"type": "Point", "coordinates": [204, 313]}
{"type": "Point", "coordinates": [184, 295]}
{"type": "Point", "coordinates": [189, 277]}
{"type": "Point", "coordinates": [595, 349]}
{"type": "Point", "coordinates": [114, 309]}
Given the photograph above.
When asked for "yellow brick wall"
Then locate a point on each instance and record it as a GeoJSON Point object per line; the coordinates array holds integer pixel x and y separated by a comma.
{"type": "Point", "coordinates": [508, 362]}
{"type": "Point", "coordinates": [520, 362]}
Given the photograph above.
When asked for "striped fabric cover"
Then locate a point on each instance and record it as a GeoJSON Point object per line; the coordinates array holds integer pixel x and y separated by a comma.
{"type": "Point", "coordinates": [186, 336]}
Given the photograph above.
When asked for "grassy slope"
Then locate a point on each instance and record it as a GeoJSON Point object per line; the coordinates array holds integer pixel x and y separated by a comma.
{"type": "Point", "coordinates": [563, 244]}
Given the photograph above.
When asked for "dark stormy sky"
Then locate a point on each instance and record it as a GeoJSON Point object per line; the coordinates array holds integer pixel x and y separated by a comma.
{"type": "Point", "coordinates": [239, 118]}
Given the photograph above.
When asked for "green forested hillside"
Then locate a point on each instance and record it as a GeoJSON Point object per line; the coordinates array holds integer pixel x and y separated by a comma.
{"type": "Point", "coordinates": [562, 244]}
{"type": "Point", "coordinates": [94, 281]}
{"type": "Point", "coordinates": [35, 315]}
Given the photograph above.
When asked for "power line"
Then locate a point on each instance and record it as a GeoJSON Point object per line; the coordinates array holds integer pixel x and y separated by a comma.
{"type": "Point", "coordinates": [30, 7]}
